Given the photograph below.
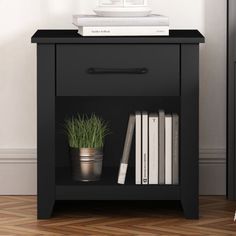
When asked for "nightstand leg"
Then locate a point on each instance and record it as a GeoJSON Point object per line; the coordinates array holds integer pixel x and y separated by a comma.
{"type": "Point", "coordinates": [190, 208]}
{"type": "Point", "coordinates": [45, 210]}
{"type": "Point", "coordinates": [46, 130]}
{"type": "Point", "coordinates": [189, 129]}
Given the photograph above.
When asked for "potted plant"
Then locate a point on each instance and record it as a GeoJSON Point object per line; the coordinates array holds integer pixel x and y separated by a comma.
{"type": "Point", "coordinates": [86, 136]}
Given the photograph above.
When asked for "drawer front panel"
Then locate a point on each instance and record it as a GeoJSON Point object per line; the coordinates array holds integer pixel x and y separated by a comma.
{"type": "Point", "coordinates": [118, 70]}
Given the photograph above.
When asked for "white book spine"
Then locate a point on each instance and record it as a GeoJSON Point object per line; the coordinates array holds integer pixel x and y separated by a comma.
{"type": "Point", "coordinates": [94, 20]}
{"type": "Point", "coordinates": [153, 149]}
{"type": "Point", "coordinates": [124, 31]}
{"type": "Point", "coordinates": [144, 148]}
{"type": "Point", "coordinates": [138, 146]}
{"type": "Point", "coordinates": [168, 150]}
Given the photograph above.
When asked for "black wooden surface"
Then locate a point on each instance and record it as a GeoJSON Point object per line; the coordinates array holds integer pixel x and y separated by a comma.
{"type": "Point", "coordinates": [74, 61]}
{"type": "Point", "coordinates": [46, 129]}
{"type": "Point", "coordinates": [231, 89]}
{"type": "Point", "coordinates": [52, 109]}
{"type": "Point", "coordinates": [71, 36]}
{"type": "Point", "coordinates": [107, 193]}
{"type": "Point", "coordinates": [189, 129]}
{"type": "Point", "coordinates": [108, 189]}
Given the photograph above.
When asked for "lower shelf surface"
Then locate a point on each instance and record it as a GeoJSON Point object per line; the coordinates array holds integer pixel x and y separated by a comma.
{"type": "Point", "coordinates": [123, 192]}
{"type": "Point", "coordinates": [108, 189]}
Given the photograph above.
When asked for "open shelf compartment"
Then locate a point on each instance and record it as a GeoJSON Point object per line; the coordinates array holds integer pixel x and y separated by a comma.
{"type": "Point", "coordinates": [116, 111]}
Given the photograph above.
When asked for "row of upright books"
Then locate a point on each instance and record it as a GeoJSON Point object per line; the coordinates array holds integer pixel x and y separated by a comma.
{"type": "Point", "coordinates": [94, 25]}
{"type": "Point", "coordinates": [156, 149]}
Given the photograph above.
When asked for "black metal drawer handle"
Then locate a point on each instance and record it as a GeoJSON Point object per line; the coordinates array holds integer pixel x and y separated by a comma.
{"type": "Point", "coordinates": [93, 71]}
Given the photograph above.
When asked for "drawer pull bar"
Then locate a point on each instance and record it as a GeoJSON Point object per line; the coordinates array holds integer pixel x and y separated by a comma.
{"type": "Point", "coordinates": [93, 71]}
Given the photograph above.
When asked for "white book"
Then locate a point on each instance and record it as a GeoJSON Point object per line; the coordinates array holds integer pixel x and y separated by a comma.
{"type": "Point", "coordinates": [138, 147]}
{"type": "Point", "coordinates": [126, 151]}
{"type": "Point", "coordinates": [153, 149]}
{"type": "Point", "coordinates": [168, 149]}
{"type": "Point", "coordinates": [124, 31]}
{"type": "Point", "coordinates": [144, 148]}
{"type": "Point", "coordinates": [94, 20]}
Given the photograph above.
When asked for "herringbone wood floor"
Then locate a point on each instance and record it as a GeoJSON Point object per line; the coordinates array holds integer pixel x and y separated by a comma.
{"type": "Point", "coordinates": [18, 217]}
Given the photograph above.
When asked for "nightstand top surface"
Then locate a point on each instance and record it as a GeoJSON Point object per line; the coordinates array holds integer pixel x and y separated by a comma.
{"type": "Point", "coordinates": [71, 36]}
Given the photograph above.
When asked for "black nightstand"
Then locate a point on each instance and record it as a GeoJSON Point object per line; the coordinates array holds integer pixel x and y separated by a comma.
{"type": "Point", "coordinates": [114, 77]}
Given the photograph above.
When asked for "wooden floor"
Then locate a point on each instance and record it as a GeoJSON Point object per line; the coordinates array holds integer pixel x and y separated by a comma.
{"type": "Point", "coordinates": [18, 217]}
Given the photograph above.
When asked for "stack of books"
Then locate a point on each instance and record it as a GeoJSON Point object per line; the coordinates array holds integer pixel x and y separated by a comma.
{"type": "Point", "coordinates": [157, 149]}
{"type": "Point", "coordinates": [94, 25]}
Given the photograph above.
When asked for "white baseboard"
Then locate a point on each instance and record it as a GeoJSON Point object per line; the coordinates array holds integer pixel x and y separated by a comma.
{"type": "Point", "coordinates": [212, 171]}
{"type": "Point", "coordinates": [18, 171]}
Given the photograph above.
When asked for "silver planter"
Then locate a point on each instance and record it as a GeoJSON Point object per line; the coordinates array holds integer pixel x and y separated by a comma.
{"type": "Point", "coordinates": [86, 164]}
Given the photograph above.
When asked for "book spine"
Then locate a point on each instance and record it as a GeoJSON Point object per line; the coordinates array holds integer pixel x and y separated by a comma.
{"type": "Point", "coordinates": [126, 151]}
{"type": "Point", "coordinates": [144, 148]}
{"type": "Point", "coordinates": [124, 31]}
{"type": "Point", "coordinates": [119, 21]}
{"type": "Point", "coordinates": [161, 147]}
{"type": "Point", "coordinates": [138, 147]}
{"type": "Point", "coordinates": [168, 150]}
{"type": "Point", "coordinates": [153, 149]}
{"type": "Point", "coordinates": [175, 150]}
{"type": "Point", "coordinates": [122, 173]}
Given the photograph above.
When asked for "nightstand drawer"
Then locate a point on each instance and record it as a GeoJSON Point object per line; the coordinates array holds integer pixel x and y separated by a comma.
{"type": "Point", "coordinates": [118, 70]}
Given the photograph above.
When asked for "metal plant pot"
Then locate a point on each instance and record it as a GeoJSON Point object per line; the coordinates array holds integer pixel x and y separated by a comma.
{"type": "Point", "coordinates": [86, 164]}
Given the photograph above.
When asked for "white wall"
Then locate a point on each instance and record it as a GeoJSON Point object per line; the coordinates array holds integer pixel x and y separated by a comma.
{"type": "Point", "coordinates": [19, 19]}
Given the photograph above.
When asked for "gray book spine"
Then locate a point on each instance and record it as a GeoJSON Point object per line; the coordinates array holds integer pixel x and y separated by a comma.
{"type": "Point", "coordinates": [126, 151]}
{"type": "Point", "coordinates": [161, 147]}
{"type": "Point", "coordinates": [175, 149]}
